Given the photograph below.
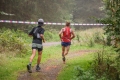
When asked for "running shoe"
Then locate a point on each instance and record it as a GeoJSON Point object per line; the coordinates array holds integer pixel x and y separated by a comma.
{"type": "Point", "coordinates": [63, 60]}
{"type": "Point", "coordinates": [38, 68]}
{"type": "Point", "coordinates": [29, 68]}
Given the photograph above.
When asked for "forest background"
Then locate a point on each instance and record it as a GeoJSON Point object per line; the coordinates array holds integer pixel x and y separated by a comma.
{"type": "Point", "coordinates": [76, 11]}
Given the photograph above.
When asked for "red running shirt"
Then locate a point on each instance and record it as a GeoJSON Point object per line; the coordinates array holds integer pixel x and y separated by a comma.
{"type": "Point", "coordinates": [66, 37]}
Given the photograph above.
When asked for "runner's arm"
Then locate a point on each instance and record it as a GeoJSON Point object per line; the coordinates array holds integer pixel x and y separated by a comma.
{"type": "Point", "coordinates": [60, 33]}
{"type": "Point", "coordinates": [31, 33]}
{"type": "Point", "coordinates": [73, 35]}
{"type": "Point", "coordinates": [42, 37]}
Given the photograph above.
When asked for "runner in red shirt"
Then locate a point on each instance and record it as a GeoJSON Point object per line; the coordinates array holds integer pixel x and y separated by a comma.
{"type": "Point", "coordinates": [66, 35]}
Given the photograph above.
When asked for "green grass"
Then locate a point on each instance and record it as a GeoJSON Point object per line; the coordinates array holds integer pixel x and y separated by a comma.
{"type": "Point", "coordinates": [8, 70]}
{"type": "Point", "coordinates": [68, 71]}
{"type": "Point", "coordinates": [14, 65]}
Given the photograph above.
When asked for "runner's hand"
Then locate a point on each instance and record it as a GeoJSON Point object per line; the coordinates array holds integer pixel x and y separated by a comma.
{"type": "Point", "coordinates": [44, 41]}
{"type": "Point", "coordinates": [61, 39]}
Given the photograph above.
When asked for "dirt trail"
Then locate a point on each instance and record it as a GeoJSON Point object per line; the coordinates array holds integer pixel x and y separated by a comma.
{"type": "Point", "coordinates": [51, 43]}
{"type": "Point", "coordinates": [51, 68]}
{"type": "Point", "coordinates": [49, 71]}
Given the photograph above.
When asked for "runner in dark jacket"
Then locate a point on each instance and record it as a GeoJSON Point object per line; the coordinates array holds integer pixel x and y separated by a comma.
{"type": "Point", "coordinates": [38, 37]}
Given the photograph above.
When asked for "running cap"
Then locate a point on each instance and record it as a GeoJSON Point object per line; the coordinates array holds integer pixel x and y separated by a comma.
{"type": "Point", "coordinates": [41, 20]}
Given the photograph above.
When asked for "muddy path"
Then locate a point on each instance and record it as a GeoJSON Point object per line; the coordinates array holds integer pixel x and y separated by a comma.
{"type": "Point", "coordinates": [51, 68]}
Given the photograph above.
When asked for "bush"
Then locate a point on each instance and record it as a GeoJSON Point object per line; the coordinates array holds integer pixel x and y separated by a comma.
{"type": "Point", "coordinates": [51, 35]}
{"type": "Point", "coordinates": [104, 64]}
{"type": "Point", "coordinates": [11, 40]}
{"type": "Point", "coordinates": [81, 74]}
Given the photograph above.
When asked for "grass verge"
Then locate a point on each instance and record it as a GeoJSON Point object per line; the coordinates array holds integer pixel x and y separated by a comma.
{"type": "Point", "coordinates": [82, 65]}
{"type": "Point", "coordinates": [68, 71]}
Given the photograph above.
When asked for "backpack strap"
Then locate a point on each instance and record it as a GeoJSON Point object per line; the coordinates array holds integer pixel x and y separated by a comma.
{"type": "Point", "coordinates": [35, 30]}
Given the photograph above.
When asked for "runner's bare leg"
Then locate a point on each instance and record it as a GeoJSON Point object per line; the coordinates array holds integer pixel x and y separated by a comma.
{"type": "Point", "coordinates": [67, 50]}
{"type": "Point", "coordinates": [63, 51]}
{"type": "Point", "coordinates": [33, 55]}
{"type": "Point", "coordinates": [39, 57]}
{"type": "Point", "coordinates": [63, 54]}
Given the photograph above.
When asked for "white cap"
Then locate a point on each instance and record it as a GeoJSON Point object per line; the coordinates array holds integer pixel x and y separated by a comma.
{"type": "Point", "coordinates": [41, 20]}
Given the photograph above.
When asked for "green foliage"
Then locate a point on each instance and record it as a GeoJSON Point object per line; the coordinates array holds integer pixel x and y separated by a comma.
{"type": "Point", "coordinates": [112, 9]}
{"type": "Point", "coordinates": [11, 40]}
{"type": "Point", "coordinates": [51, 35]}
{"type": "Point", "coordinates": [108, 69]}
{"type": "Point", "coordinates": [81, 74]}
{"type": "Point", "coordinates": [104, 65]}
{"type": "Point", "coordinates": [102, 68]}
{"type": "Point", "coordinates": [112, 30]}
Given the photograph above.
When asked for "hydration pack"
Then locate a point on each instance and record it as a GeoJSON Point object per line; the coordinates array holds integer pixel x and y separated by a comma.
{"type": "Point", "coordinates": [35, 33]}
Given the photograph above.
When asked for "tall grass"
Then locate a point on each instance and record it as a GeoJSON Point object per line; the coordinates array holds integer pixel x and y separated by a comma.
{"type": "Point", "coordinates": [90, 37]}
